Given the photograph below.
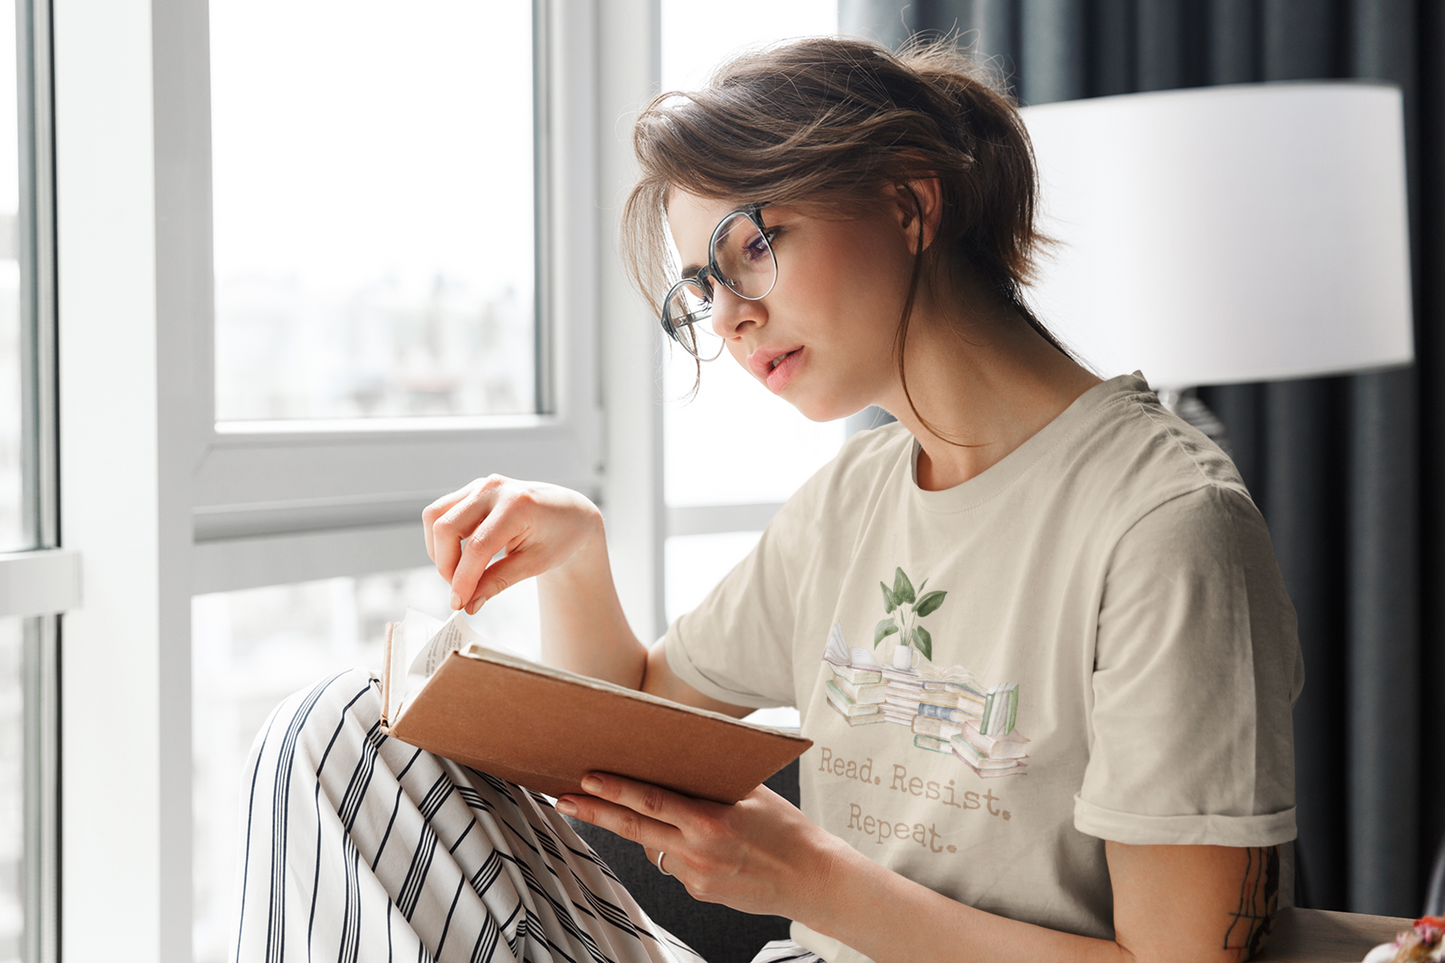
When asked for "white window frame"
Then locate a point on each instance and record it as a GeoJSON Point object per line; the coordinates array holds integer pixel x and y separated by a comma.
{"type": "Point", "coordinates": [158, 504]}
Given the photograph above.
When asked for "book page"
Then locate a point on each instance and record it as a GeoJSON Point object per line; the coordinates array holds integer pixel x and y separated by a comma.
{"type": "Point", "coordinates": [419, 645]}
{"type": "Point", "coordinates": [447, 637]}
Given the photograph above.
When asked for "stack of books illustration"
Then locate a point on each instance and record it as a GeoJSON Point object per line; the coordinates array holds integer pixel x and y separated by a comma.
{"type": "Point", "coordinates": [857, 689]}
{"type": "Point", "coordinates": [949, 712]}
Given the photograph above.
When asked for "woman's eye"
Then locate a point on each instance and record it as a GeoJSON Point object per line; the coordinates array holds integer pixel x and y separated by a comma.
{"type": "Point", "coordinates": [758, 246]}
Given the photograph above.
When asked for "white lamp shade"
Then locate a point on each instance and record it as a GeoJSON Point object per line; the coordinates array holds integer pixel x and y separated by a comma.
{"type": "Point", "coordinates": [1227, 234]}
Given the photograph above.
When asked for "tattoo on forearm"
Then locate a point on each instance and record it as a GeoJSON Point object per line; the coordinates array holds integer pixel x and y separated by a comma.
{"type": "Point", "coordinates": [1258, 899]}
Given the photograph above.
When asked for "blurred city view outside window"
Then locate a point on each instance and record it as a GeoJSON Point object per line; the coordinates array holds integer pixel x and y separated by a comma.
{"type": "Point", "coordinates": [373, 209]}
{"type": "Point", "coordinates": [250, 650]}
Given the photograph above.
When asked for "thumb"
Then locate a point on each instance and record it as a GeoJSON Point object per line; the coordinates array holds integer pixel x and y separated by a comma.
{"type": "Point", "coordinates": [502, 574]}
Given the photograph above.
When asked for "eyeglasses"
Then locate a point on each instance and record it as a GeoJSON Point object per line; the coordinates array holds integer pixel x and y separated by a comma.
{"type": "Point", "coordinates": [740, 255]}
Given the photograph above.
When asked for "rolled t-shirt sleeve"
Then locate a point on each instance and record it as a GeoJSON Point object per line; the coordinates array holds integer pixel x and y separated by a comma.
{"type": "Point", "coordinates": [737, 645]}
{"type": "Point", "coordinates": [1196, 669]}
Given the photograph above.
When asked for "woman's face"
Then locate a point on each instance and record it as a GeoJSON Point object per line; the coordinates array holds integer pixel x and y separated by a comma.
{"type": "Point", "coordinates": [823, 337]}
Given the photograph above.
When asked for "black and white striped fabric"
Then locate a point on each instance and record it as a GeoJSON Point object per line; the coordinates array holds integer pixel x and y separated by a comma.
{"type": "Point", "coordinates": [786, 951]}
{"type": "Point", "coordinates": [362, 848]}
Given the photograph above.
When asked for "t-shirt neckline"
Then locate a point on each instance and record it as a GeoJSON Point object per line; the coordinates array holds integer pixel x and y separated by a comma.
{"type": "Point", "coordinates": [997, 478]}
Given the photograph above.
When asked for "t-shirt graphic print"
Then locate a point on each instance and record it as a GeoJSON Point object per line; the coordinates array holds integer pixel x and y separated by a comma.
{"type": "Point", "coordinates": [947, 711]}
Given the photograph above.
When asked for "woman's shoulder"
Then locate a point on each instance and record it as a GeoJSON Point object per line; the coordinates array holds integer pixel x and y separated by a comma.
{"type": "Point", "coordinates": [1151, 453]}
{"type": "Point", "coordinates": [1135, 435]}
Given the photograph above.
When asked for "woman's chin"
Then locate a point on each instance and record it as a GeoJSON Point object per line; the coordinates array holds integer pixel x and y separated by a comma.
{"type": "Point", "coordinates": [820, 409]}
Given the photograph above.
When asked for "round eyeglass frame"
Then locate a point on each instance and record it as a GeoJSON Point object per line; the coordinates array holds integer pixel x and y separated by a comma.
{"type": "Point", "coordinates": [701, 284]}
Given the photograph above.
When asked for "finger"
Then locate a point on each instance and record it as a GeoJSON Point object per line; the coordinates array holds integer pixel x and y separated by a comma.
{"type": "Point", "coordinates": [434, 511]}
{"type": "Point", "coordinates": [668, 862]}
{"type": "Point", "coordinates": [501, 575]}
{"type": "Point", "coordinates": [505, 526]}
{"type": "Point", "coordinates": [627, 823]}
{"type": "Point", "coordinates": [461, 520]}
{"type": "Point", "coordinates": [643, 798]}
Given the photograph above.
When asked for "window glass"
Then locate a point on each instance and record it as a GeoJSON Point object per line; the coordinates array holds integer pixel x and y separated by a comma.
{"type": "Point", "coordinates": [12, 510]}
{"type": "Point", "coordinates": [373, 208]}
{"type": "Point", "coordinates": [252, 649]}
{"type": "Point", "coordinates": [734, 443]}
{"type": "Point", "coordinates": [696, 563]}
{"type": "Point", "coordinates": [12, 790]}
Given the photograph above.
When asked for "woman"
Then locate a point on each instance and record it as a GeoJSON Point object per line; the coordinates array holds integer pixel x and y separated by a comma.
{"type": "Point", "coordinates": [1035, 629]}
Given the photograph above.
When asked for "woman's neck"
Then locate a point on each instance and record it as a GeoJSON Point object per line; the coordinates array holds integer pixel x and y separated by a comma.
{"type": "Point", "coordinates": [984, 387]}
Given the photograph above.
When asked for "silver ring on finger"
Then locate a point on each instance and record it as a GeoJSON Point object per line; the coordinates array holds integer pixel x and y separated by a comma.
{"type": "Point", "coordinates": [661, 868]}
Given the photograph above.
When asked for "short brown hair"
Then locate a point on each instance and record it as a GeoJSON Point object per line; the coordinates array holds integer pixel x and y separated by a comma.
{"type": "Point", "coordinates": [828, 125]}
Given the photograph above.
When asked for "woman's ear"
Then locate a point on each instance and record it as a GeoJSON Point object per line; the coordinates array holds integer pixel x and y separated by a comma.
{"type": "Point", "coordinates": [920, 208]}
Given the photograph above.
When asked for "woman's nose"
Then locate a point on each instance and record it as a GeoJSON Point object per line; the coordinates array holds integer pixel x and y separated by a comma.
{"type": "Point", "coordinates": [731, 313]}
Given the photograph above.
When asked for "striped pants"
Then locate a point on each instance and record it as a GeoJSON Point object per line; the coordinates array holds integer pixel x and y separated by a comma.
{"type": "Point", "coordinates": [359, 848]}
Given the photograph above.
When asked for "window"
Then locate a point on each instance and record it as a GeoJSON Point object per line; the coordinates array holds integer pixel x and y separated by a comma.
{"type": "Point", "coordinates": [389, 314]}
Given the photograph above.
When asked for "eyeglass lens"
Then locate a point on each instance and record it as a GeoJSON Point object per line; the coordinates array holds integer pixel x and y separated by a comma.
{"type": "Point", "coordinates": [689, 312]}
{"type": "Point", "coordinates": [742, 259]}
{"type": "Point", "coordinates": [744, 256]}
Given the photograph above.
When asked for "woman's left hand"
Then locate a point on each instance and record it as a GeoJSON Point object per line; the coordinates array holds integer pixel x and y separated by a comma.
{"type": "Point", "coordinates": [760, 855]}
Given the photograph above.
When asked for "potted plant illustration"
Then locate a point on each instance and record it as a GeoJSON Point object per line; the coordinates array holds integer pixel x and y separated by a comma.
{"type": "Point", "coordinates": [905, 607]}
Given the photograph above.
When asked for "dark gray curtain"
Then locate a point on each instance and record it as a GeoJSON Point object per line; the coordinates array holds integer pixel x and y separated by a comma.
{"type": "Point", "coordinates": [1347, 471]}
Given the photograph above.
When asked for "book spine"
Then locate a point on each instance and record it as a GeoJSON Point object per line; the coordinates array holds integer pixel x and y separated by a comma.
{"type": "Point", "coordinates": [856, 676]}
{"type": "Point", "coordinates": [945, 712]}
{"type": "Point", "coordinates": [847, 706]}
{"type": "Point", "coordinates": [938, 728]}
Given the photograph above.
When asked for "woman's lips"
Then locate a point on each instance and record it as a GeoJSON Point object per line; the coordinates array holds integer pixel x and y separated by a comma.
{"type": "Point", "coordinates": [784, 370]}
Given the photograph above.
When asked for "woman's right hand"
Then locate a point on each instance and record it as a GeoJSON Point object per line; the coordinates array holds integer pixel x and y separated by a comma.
{"type": "Point", "coordinates": [537, 527]}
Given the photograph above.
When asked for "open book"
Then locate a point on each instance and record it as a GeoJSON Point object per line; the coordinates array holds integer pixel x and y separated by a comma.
{"type": "Point", "coordinates": [443, 690]}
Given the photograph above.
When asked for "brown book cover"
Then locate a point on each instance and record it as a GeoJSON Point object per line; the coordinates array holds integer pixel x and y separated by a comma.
{"type": "Point", "coordinates": [544, 728]}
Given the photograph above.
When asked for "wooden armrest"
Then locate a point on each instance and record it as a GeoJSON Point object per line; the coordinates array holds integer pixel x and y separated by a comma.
{"type": "Point", "coordinates": [1323, 936]}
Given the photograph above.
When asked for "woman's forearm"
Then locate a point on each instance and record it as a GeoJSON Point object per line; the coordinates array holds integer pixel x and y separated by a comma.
{"type": "Point", "coordinates": [1172, 904]}
{"type": "Point", "coordinates": [583, 627]}
{"type": "Point", "coordinates": [891, 918]}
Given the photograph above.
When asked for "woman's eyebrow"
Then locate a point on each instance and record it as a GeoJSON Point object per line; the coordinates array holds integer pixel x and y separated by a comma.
{"type": "Point", "coordinates": [690, 270]}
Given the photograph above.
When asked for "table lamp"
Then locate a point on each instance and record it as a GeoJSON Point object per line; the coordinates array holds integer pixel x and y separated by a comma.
{"type": "Point", "coordinates": [1218, 235]}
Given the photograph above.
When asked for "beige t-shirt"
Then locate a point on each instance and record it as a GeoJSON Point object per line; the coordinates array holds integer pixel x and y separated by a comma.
{"type": "Point", "coordinates": [1098, 646]}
